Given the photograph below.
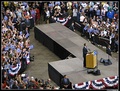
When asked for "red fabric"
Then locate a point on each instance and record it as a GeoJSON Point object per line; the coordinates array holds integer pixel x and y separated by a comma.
{"type": "Point", "coordinates": [4, 85]}
{"type": "Point", "coordinates": [37, 13]}
{"type": "Point", "coordinates": [60, 18]}
{"type": "Point", "coordinates": [80, 84]}
{"type": "Point", "coordinates": [116, 16]}
{"type": "Point", "coordinates": [113, 77]}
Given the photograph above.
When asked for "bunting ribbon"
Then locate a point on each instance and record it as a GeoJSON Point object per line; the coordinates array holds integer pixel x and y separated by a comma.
{"type": "Point", "coordinates": [111, 81]}
{"type": "Point", "coordinates": [63, 21]}
{"type": "Point", "coordinates": [98, 84]}
{"type": "Point", "coordinates": [14, 70]}
{"type": "Point", "coordinates": [83, 86]}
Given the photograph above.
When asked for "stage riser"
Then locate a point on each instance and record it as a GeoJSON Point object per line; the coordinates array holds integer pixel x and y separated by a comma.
{"type": "Point", "coordinates": [51, 44]}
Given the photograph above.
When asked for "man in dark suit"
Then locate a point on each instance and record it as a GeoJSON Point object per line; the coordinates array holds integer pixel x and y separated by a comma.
{"type": "Point", "coordinates": [72, 27]}
{"type": "Point", "coordinates": [85, 50]}
{"type": "Point", "coordinates": [28, 24]}
{"type": "Point", "coordinates": [108, 51]}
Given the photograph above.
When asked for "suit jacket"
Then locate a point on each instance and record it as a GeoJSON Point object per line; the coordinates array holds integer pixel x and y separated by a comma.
{"type": "Point", "coordinates": [108, 51]}
{"type": "Point", "coordinates": [84, 51]}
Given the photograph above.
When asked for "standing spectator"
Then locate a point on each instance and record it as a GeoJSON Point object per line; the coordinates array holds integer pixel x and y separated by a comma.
{"type": "Point", "coordinates": [27, 22]}
{"type": "Point", "coordinates": [103, 12]}
{"type": "Point", "coordinates": [112, 36]}
{"type": "Point", "coordinates": [91, 11]}
{"type": "Point", "coordinates": [78, 15]}
{"type": "Point", "coordinates": [115, 7]}
{"type": "Point", "coordinates": [98, 12]}
{"type": "Point", "coordinates": [37, 15]}
{"type": "Point", "coordinates": [47, 15]}
{"type": "Point", "coordinates": [74, 13]}
{"type": "Point", "coordinates": [65, 14]}
{"type": "Point", "coordinates": [33, 14]}
{"type": "Point", "coordinates": [19, 12]}
{"type": "Point", "coordinates": [108, 51]}
{"type": "Point", "coordinates": [110, 14]}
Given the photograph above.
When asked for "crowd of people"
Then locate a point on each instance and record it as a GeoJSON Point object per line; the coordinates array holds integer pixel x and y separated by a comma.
{"type": "Point", "coordinates": [15, 42]}
{"type": "Point", "coordinates": [98, 18]}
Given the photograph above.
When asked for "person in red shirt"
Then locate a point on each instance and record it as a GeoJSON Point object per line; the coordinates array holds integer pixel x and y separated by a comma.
{"type": "Point", "coordinates": [37, 15]}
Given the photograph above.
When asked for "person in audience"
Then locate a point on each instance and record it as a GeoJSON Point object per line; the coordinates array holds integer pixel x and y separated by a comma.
{"type": "Point", "coordinates": [109, 52]}
{"type": "Point", "coordinates": [65, 83]}
{"type": "Point", "coordinates": [72, 27]}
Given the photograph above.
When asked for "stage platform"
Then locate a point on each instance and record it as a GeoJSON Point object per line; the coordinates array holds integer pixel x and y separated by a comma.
{"type": "Point", "coordinates": [63, 42]}
{"type": "Point", "coordinates": [73, 68]}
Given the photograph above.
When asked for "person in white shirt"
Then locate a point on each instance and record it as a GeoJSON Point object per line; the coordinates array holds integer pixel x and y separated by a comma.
{"type": "Point", "coordinates": [105, 6]}
{"type": "Point", "coordinates": [75, 14]}
{"type": "Point", "coordinates": [103, 12]}
{"type": "Point", "coordinates": [84, 4]}
{"type": "Point", "coordinates": [82, 18]}
{"type": "Point", "coordinates": [47, 15]}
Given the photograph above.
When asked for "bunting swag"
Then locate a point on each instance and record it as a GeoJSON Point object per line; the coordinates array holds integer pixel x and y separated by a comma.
{"type": "Point", "coordinates": [99, 84]}
{"type": "Point", "coordinates": [83, 86]}
{"type": "Point", "coordinates": [63, 21]}
{"type": "Point", "coordinates": [111, 81]}
{"type": "Point", "coordinates": [14, 70]}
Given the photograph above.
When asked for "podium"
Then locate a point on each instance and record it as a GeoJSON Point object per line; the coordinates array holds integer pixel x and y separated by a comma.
{"type": "Point", "coordinates": [91, 60]}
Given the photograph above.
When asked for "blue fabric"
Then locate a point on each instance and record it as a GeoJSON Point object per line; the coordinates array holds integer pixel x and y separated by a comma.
{"type": "Point", "coordinates": [5, 18]}
{"type": "Point", "coordinates": [90, 30]}
{"type": "Point", "coordinates": [14, 20]}
{"type": "Point", "coordinates": [33, 13]}
{"type": "Point", "coordinates": [18, 50]}
{"type": "Point", "coordinates": [95, 31]}
{"type": "Point", "coordinates": [27, 35]}
{"type": "Point", "coordinates": [78, 16]}
{"type": "Point", "coordinates": [25, 4]}
{"type": "Point", "coordinates": [57, 3]}
{"type": "Point", "coordinates": [85, 28]}
{"type": "Point", "coordinates": [51, 5]}
{"type": "Point", "coordinates": [27, 23]}
{"type": "Point", "coordinates": [110, 14]}
{"type": "Point", "coordinates": [91, 9]}
{"type": "Point", "coordinates": [6, 48]}
{"type": "Point", "coordinates": [21, 33]}
{"type": "Point", "coordinates": [98, 12]}
{"type": "Point", "coordinates": [95, 52]}
{"type": "Point", "coordinates": [31, 47]}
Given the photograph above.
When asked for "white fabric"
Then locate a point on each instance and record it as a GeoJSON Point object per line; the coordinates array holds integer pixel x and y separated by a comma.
{"type": "Point", "coordinates": [75, 12]}
{"type": "Point", "coordinates": [82, 18]}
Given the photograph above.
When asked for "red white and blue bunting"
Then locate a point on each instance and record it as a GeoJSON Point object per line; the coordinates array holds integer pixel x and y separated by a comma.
{"type": "Point", "coordinates": [99, 84]}
{"type": "Point", "coordinates": [111, 81]}
{"type": "Point", "coordinates": [63, 21]}
{"type": "Point", "coordinates": [14, 69]}
{"type": "Point", "coordinates": [83, 86]}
